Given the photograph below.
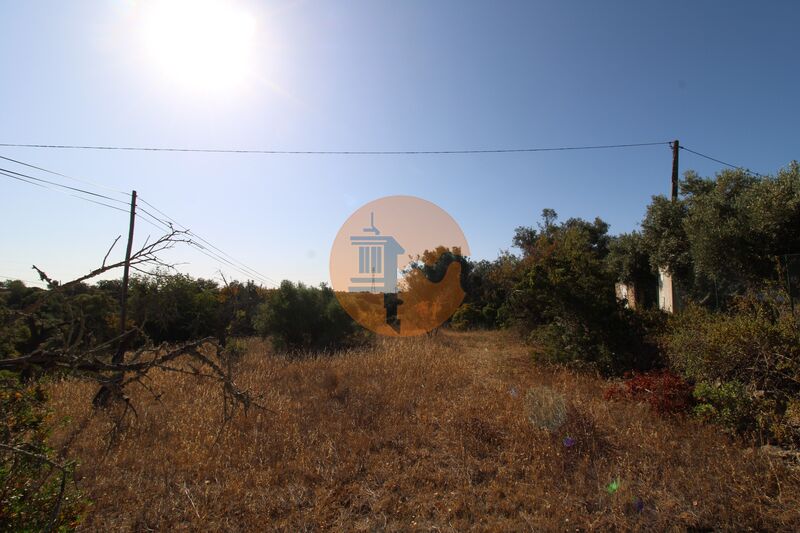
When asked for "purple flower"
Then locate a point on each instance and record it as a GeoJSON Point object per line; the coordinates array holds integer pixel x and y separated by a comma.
{"type": "Point", "coordinates": [638, 504]}
{"type": "Point", "coordinates": [569, 442]}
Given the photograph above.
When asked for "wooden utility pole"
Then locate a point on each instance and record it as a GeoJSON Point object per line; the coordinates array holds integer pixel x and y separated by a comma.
{"type": "Point", "coordinates": [667, 297]}
{"type": "Point", "coordinates": [119, 356]}
{"type": "Point", "coordinates": [676, 146]}
{"type": "Point", "coordinates": [789, 281]}
{"type": "Point", "coordinates": [107, 390]}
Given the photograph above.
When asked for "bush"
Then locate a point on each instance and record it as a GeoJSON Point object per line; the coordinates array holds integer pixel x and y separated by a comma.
{"type": "Point", "coordinates": [721, 236]}
{"type": "Point", "coordinates": [728, 404]}
{"type": "Point", "coordinates": [488, 286]}
{"type": "Point", "coordinates": [467, 316]}
{"type": "Point", "coordinates": [620, 341]}
{"type": "Point", "coordinates": [472, 316]}
{"type": "Point", "coordinates": [298, 317]}
{"type": "Point", "coordinates": [566, 299]}
{"type": "Point", "coordinates": [30, 489]}
{"type": "Point", "coordinates": [565, 340]}
{"type": "Point", "coordinates": [746, 362]}
{"type": "Point", "coordinates": [176, 308]}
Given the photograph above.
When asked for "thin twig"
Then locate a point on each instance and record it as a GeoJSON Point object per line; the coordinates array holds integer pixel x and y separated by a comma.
{"type": "Point", "coordinates": [111, 248]}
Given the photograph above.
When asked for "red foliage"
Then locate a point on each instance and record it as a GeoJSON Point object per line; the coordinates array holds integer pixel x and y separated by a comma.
{"type": "Point", "coordinates": [664, 391]}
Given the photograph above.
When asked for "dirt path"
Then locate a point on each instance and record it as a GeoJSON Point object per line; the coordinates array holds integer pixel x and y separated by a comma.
{"type": "Point", "coordinates": [500, 357]}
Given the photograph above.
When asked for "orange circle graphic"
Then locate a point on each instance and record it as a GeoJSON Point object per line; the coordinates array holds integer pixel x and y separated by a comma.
{"type": "Point", "coordinates": [396, 266]}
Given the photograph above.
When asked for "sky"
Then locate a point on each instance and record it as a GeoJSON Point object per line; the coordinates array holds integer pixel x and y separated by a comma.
{"type": "Point", "coordinates": [720, 76]}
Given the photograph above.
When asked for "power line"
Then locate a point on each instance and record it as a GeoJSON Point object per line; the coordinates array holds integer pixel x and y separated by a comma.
{"type": "Point", "coordinates": [198, 237]}
{"type": "Point", "coordinates": [140, 209]}
{"type": "Point", "coordinates": [18, 177]}
{"type": "Point", "coordinates": [101, 203]}
{"type": "Point", "coordinates": [141, 217]}
{"type": "Point", "coordinates": [141, 213]}
{"type": "Point", "coordinates": [241, 268]}
{"type": "Point", "coordinates": [203, 250]}
{"type": "Point", "coordinates": [3, 173]}
{"type": "Point", "coordinates": [737, 167]}
{"type": "Point", "coordinates": [63, 186]}
{"type": "Point", "coordinates": [64, 175]}
{"type": "Point", "coordinates": [24, 178]}
{"type": "Point", "coordinates": [231, 261]}
{"type": "Point", "coordinates": [331, 152]}
{"type": "Point", "coordinates": [222, 260]}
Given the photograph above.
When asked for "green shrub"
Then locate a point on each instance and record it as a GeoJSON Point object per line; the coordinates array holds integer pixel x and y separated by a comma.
{"type": "Point", "coordinates": [176, 308]}
{"type": "Point", "coordinates": [467, 316]}
{"type": "Point", "coordinates": [490, 315]}
{"type": "Point", "coordinates": [301, 318]}
{"type": "Point", "coordinates": [472, 316]}
{"type": "Point", "coordinates": [567, 341]}
{"type": "Point", "coordinates": [745, 361]}
{"type": "Point", "coordinates": [618, 343]}
{"type": "Point", "coordinates": [728, 404]}
{"type": "Point", "coordinates": [566, 299]}
{"type": "Point", "coordinates": [30, 487]}
{"type": "Point", "coordinates": [488, 285]}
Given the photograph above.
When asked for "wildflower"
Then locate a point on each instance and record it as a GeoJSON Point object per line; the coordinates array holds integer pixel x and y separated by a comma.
{"type": "Point", "coordinates": [569, 442]}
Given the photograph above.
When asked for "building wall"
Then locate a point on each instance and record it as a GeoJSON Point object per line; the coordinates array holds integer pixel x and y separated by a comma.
{"type": "Point", "coordinates": [667, 298]}
{"type": "Point", "coordinates": [627, 292]}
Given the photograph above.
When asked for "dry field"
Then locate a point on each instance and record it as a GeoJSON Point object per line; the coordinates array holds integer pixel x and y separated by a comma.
{"type": "Point", "coordinates": [425, 434]}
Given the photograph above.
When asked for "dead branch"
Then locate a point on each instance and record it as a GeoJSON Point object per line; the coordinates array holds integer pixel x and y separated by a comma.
{"type": "Point", "coordinates": [93, 363]}
{"type": "Point", "coordinates": [146, 255]}
{"type": "Point", "coordinates": [204, 358]}
{"type": "Point", "coordinates": [109, 250]}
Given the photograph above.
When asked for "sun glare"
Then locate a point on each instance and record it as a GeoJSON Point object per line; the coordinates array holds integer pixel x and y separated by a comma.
{"type": "Point", "coordinates": [206, 44]}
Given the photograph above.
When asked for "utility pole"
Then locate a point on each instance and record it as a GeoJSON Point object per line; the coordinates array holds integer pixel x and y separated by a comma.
{"type": "Point", "coordinates": [119, 356]}
{"type": "Point", "coordinates": [676, 146]}
{"type": "Point", "coordinates": [106, 392]}
{"type": "Point", "coordinates": [789, 281]}
{"type": "Point", "coordinates": [667, 295]}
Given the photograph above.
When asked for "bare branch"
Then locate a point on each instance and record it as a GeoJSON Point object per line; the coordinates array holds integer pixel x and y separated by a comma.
{"type": "Point", "coordinates": [111, 248]}
{"type": "Point", "coordinates": [147, 254]}
{"type": "Point", "coordinates": [44, 277]}
{"type": "Point", "coordinates": [204, 358]}
{"type": "Point", "coordinates": [89, 365]}
{"type": "Point", "coordinates": [34, 455]}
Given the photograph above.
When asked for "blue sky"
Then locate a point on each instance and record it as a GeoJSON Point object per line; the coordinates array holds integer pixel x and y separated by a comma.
{"type": "Point", "coordinates": [721, 76]}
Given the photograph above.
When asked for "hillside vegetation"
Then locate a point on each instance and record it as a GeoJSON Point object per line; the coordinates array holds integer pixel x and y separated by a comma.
{"type": "Point", "coordinates": [547, 402]}
{"type": "Point", "coordinates": [446, 433]}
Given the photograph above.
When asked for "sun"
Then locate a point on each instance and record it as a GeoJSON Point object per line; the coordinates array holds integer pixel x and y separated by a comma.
{"type": "Point", "coordinates": [205, 44]}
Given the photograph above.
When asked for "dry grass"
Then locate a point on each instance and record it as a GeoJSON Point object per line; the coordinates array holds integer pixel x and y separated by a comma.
{"type": "Point", "coordinates": [413, 434]}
